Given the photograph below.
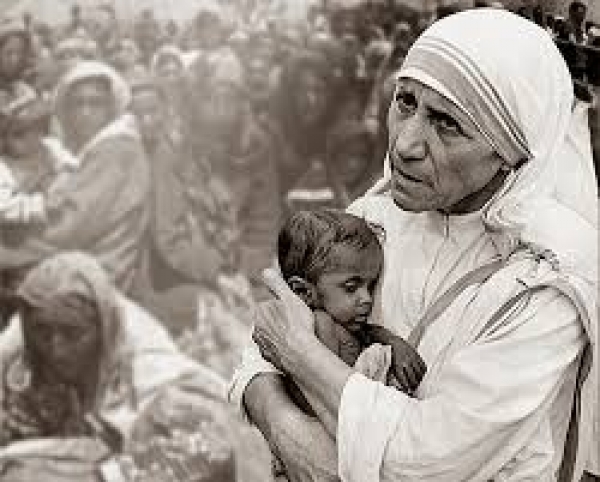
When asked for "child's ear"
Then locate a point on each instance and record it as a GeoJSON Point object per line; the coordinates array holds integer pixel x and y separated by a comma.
{"type": "Point", "coordinates": [305, 290]}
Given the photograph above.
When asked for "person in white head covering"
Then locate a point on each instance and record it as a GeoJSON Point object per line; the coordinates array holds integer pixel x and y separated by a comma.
{"type": "Point", "coordinates": [489, 206]}
{"type": "Point", "coordinates": [103, 207]}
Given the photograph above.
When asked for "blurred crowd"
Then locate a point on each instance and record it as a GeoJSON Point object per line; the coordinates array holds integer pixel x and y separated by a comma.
{"type": "Point", "coordinates": [172, 151]}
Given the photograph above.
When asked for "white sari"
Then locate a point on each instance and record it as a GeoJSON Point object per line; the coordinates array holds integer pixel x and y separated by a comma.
{"type": "Point", "coordinates": [496, 401]}
{"type": "Point", "coordinates": [494, 405]}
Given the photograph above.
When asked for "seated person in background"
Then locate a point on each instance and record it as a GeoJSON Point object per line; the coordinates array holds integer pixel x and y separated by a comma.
{"type": "Point", "coordinates": [192, 233]}
{"type": "Point", "coordinates": [31, 162]}
{"type": "Point", "coordinates": [110, 187]}
{"type": "Point", "coordinates": [84, 367]}
{"type": "Point", "coordinates": [332, 260]}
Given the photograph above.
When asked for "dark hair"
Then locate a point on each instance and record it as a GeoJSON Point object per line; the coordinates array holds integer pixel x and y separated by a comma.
{"type": "Point", "coordinates": [577, 5]}
{"type": "Point", "coordinates": [307, 240]}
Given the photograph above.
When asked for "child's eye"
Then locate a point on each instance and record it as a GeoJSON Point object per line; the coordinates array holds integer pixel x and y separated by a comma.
{"type": "Point", "coordinates": [350, 287]}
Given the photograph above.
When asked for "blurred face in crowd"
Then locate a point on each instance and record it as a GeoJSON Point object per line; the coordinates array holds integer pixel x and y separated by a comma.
{"type": "Point", "coordinates": [149, 109]}
{"type": "Point", "coordinates": [439, 159]}
{"type": "Point", "coordinates": [209, 32]}
{"type": "Point", "coordinates": [224, 108]}
{"type": "Point", "coordinates": [66, 339]}
{"type": "Point", "coordinates": [89, 107]}
{"type": "Point", "coordinates": [100, 24]}
{"type": "Point", "coordinates": [24, 142]}
{"type": "Point", "coordinates": [350, 164]}
{"type": "Point", "coordinates": [310, 97]}
{"type": "Point", "coordinates": [69, 58]}
{"type": "Point", "coordinates": [127, 56]}
{"type": "Point", "coordinates": [257, 72]}
{"type": "Point", "coordinates": [13, 56]}
{"type": "Point", "coordinates": [170, 70]}
{"type": "Point", "coordinates": [577, 13]}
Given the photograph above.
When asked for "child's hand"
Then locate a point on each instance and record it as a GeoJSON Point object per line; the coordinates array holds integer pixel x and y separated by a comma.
{"type": "Point", "coordinates": [337, 338]}
{"type": "Point", "coordinates": [408, 368]}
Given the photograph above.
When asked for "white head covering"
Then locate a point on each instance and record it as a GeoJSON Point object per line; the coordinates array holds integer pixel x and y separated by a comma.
{"type": "Point", "coordinates": [508, 77]}
{"type": "Point", "coordinates": [123, 124]}
{"type": "Point", "coordinates": [166, 51]}
{"type": "Point", "coordinates": [91, 70]}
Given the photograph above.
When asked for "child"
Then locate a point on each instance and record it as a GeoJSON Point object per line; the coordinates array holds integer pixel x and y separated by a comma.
{"type": "Point", "coordinates": [332, 260]}
{"type": "Point", "coordinates": [30, 162]}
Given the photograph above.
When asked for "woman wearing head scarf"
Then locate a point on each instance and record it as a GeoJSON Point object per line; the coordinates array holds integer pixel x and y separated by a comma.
{"type": "Point", "coordinates": [102, 208]}
{"type": "Point", "coordinates": [169, 70]}
{"type": "Point", "coordinates": [226, 135]}
{"type": "Point", "coordinates": [82, 365]}
{"type": "Point", "coordinates": [188, 246]}
{"type": "Point", "coordinates": [15, 50]}
{"type": "Point", "coordinates": [490, 215]}
{"type": "Point", "coordinates": [303, 111]}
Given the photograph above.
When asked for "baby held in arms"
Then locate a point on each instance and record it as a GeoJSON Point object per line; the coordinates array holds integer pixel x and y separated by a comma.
{"type": "Point", "coordinates": [332, 260]}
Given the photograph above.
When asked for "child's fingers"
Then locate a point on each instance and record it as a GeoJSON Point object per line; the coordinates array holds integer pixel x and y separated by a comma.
{"type": "Point", "coordinates": [403, 381]}
{"type": "Point", "coordinates": [393, 382]}
{"type": "Point", "coordinates": [418, 367]}
{"type": "Point", "coordinates": [410, 376]}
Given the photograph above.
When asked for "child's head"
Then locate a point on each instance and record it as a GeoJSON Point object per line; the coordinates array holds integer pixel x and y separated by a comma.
{"type": "Point", "coordinates": [26, 125]}
{"type": "Point", "coordinates": [332, 260]}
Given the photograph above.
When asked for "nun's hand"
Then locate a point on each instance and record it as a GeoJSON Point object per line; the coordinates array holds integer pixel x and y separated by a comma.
{"type": "Point", "coordinates": [280, 325]}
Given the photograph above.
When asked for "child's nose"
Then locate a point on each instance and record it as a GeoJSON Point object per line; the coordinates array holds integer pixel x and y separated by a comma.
{"type": "Point", "coordinates": [364, 296]}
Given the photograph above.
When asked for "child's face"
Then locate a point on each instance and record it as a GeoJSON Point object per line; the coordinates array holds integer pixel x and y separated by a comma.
{"type": "Point", "coordinates": [346, 293]}
{"type": "Point", "coordinates": [24, 143]}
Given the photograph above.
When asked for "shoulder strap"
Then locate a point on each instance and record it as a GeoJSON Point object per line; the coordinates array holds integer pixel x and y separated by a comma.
{"type": "Point", "coordinates": [476, 276]}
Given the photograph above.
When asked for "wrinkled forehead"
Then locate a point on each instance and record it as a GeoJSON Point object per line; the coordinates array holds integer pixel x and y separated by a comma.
{"type": "Point", "coordinates": [437, 95]}
{"type": "Point", "coordinates": [504, 72]}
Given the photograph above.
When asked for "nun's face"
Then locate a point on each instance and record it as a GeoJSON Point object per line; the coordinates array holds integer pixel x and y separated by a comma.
{"type": "Point", "coordinates": [439, 160]}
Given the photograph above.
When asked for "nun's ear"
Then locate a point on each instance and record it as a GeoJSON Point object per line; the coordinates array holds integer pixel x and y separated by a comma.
{"type": "Point", "coordinates": [305, 290]}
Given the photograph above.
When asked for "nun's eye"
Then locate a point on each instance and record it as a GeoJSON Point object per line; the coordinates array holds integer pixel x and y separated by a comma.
{"type": "Point", "coordinates": [405, 101]}
{"type": "Point", "coordinates": [446, 123]}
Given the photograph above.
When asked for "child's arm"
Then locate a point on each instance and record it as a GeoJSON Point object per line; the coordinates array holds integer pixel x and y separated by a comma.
{"type": "Point", "coordinates": [339, 341]}
{"type": "Point", "coordinates": [408, 368]}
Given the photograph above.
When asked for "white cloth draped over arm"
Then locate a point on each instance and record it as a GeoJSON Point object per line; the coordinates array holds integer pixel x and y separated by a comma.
{"type": "Point", "coordinates": [252, 364]}
{"type": "Point", "coordinates": [471, 412]}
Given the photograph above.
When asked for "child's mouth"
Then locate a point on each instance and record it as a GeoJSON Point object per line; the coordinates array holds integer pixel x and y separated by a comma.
{"type": "Point", "coordinates": [357, 322]}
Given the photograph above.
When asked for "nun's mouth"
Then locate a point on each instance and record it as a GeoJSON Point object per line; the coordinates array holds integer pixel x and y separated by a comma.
{"type": "Point", "coordinates": [404, 176]}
